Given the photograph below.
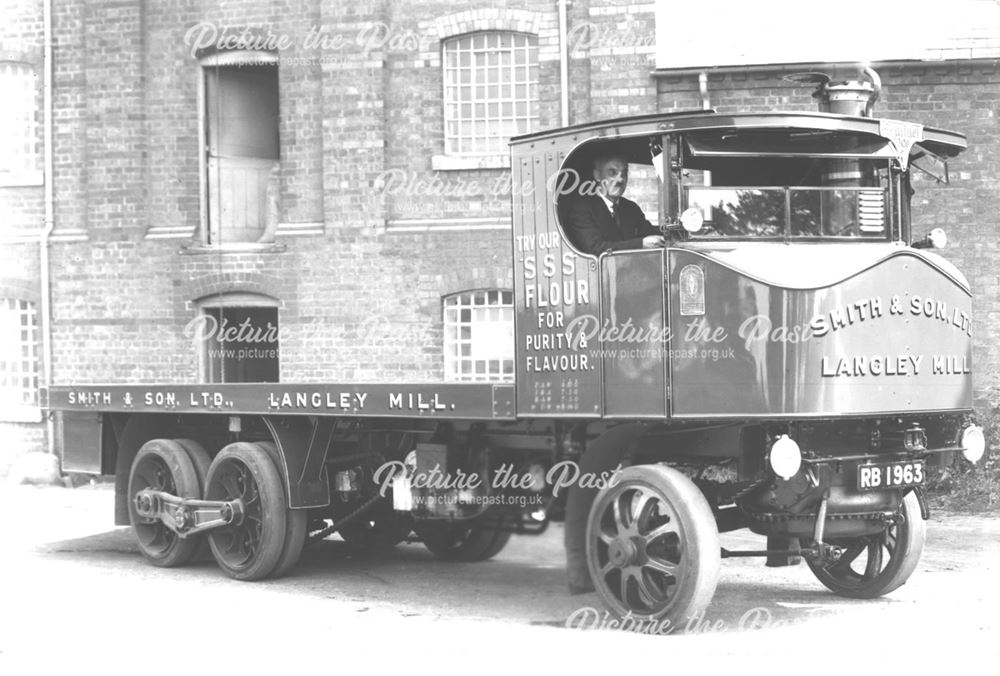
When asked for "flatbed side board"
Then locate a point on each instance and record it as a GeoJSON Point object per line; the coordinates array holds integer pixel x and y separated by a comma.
{"type": "Point", "coordinates": [469, 401]}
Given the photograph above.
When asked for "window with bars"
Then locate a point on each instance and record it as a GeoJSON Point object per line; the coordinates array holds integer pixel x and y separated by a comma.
{"type": "Point", "coordinates": [18, 154]}
{"type": "Point", "coordinates": [479, 336]}
{"type": "Point", "coordinates": [18, 354]}
{"type": "Point", "coordinates": [490, 91]}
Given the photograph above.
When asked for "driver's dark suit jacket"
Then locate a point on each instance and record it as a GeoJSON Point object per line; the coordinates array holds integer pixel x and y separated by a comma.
{"type": "Point", "coordinates": [592, 230]}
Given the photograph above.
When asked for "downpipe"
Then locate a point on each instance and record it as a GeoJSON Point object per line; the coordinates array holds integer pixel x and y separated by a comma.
{"type": "Point", "coordinates": [49, 224]}
{"type": "Point", "coordinates": [564, 62]}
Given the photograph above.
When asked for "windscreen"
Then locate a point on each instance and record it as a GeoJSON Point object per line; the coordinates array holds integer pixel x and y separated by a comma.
{"type": "Point", "coordinates": [772, 188]}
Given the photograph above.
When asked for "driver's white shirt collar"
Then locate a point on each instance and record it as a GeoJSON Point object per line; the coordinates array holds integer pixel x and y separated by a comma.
{"type": "Point", "coordinates": [608, 203]}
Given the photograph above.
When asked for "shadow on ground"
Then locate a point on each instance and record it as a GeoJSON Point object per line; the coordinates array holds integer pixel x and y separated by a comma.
{"type": "Point", "coordinates": [525, 583]}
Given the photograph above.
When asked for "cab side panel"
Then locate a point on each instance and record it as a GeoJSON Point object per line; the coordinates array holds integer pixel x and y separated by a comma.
{"type": "Point", "coordinates": [556, 299]}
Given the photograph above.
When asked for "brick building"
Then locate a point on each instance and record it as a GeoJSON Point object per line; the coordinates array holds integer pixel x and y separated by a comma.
{"type": "Point", "coordinates": [337, 170]}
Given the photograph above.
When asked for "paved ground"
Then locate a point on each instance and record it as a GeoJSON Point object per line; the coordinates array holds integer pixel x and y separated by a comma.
{"type": "Point", "coordinates": [74, 588]}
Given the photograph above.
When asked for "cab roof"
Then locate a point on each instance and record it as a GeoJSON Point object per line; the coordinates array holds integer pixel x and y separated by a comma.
{"type": "Point", "coordinates": [939, 141]}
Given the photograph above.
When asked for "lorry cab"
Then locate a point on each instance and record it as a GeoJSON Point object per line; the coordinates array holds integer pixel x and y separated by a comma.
{"type": "Point", "coordinates": [792, 284]}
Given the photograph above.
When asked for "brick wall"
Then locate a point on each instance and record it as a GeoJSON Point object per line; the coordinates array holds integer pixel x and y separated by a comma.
{"type": "Point", "coordinates": [123, 296]}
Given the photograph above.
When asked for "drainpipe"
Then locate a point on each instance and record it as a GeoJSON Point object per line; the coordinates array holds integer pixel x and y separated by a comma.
{"type": "Point", "coordinates": [563, 62]}
{"type": "Point", "coordinates": [706, 178]}
{"type": "Point", "coordinates": [703, 90]}
{"type": "Point", "coordinates": [44, 273]}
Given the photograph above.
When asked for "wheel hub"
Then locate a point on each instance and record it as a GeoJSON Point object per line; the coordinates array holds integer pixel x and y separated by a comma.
{"type": "Point", "coordinates": [181, 519]}
{"type": "Point", "coordinates": [624, 552]}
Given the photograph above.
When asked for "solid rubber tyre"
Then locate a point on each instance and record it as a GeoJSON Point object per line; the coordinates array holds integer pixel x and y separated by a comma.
{"type": "Point", "coordinates": [164, 465]}
{"type": "Point", "coordinates": [201, 461]}
{"type": "Point", "coordinates": [461, 542]}
{"type": "Point", "coordinates": [250, 549]}
{"type": "Point", "coordinates": [379, 530]}
{"type": "Point", "coordinates": [296, 530]}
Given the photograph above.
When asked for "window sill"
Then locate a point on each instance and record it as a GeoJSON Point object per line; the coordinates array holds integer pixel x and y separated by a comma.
{"type": "Point", "coordinates": [195, 248]}
{"type": "Point", "coordinates": [465, 162]}
{"type": "Point", "coordinates": [22, 179]}
{"type": "Point", "coordinates": [21, 414]}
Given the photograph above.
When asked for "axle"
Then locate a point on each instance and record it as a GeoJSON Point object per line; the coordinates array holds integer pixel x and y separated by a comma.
{"type": "Point", "coordinates": [819, 553]}
{"type": "Point", "coordinates": [187, 516]}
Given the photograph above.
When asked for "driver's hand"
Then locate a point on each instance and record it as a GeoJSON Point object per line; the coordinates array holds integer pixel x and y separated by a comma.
{"type": "Point", "coordinates": [653, 241]}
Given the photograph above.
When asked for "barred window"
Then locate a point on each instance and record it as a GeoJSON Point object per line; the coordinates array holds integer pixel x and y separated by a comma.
{"type": "Point", "coordinates": [479, 336]}
{"type": "Point", "coordinates": [17, 119]}
{"type": "Point", "coordinates": [18, 354]}
{"type": "Point", "coordinates": [490, 90]}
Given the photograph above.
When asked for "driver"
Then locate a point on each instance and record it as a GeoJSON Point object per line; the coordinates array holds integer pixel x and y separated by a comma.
{"type": "Point", "coordinates": [604, 220]}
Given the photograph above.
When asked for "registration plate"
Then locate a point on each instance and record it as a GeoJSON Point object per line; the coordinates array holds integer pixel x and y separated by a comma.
{"type": "Point", "coordinates": [891, 475]}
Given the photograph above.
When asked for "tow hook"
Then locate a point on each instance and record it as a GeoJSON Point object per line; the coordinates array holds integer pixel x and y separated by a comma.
{"type": "Point", "coordinates": [823, 554]}
{"type": "Point", "coordinates": [187, 516]}
{"type": "Point", "coordinates": [820, 552]}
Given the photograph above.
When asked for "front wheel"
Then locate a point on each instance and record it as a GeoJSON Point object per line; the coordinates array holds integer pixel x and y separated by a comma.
{"type": "Point", "coordinates": [874, 565]}
{"type": "Point", "coordinates": [653, 546]}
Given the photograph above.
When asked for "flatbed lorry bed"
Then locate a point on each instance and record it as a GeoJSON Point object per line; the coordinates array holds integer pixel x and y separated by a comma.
{"type": "Point", "coordinates": [465, 401]}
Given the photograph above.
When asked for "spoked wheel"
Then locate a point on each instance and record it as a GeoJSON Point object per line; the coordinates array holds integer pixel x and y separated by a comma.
{"type": "Point", "coordinates": [461, 542]}
{"type": "Point", "coordinates": [382, 529]}
{"type": "Point", "coordinates": [653, 546]}
{"type": "Point", "coordinates": [874, 565]}
{"type": "Point", "coordinates": [249, 549]}
{"type": "Point", "coordinates": [162, 465]}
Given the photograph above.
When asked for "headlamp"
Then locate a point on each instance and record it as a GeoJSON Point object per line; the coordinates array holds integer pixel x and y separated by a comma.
{"type": "Point", "coordinates": [785, 457]}
{"type": "Point", "coordinates": [973, 443]}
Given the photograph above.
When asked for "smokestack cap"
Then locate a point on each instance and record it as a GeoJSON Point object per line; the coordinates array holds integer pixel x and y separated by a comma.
{"type": "Point", "coordinates": [850, 97]}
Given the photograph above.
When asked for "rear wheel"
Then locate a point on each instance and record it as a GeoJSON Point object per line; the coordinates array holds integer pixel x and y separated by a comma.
{"type": "Point", "coordinates": [874, 565]}
{"type": "Point", "coordinates": [461, 542]}
{"type": "Point", "coordinates": [199, 458]}
{"type": "Point", "coordinates": [295, 533]}
{"type": "Point", "coordinates": [250, 548]}
{"type": "Point", "coordinates": [382, 529]}
{"type": "Point", "coordinates": [201, 461]}
{"type": "Point", "coordinates": [162, 465]}
{"type": "Point", "coordinates": [653, 546]}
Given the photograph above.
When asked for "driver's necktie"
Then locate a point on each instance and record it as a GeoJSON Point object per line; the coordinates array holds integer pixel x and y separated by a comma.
{"type": "Point", "coordinates": [616, 218]}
